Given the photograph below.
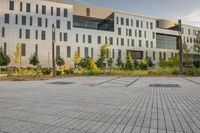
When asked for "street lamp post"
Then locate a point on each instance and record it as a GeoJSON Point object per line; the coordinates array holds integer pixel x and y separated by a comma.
{"type": "Point", "coordinates": [53, 50]}
{"type": "Point", "coordinates": [180, 48]}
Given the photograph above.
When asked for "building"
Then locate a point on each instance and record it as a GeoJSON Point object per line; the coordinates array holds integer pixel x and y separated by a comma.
{"type": "Point", "coordinates": [85, 28]}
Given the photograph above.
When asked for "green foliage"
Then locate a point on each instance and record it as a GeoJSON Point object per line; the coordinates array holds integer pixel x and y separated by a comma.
{"type": "Point", "coordinates": [88, 63]}
{"type": "Point", "coordinates": [143, 65]}
{"type": "Point", "coordinates": [172, 62]}
{"type": "Point", "coordinates": [46, 71]}
{"type": "Point", "coordinates": [119, 62]}
{"type": "Point", "coordinates": [110, 62]}
{"type": "Point", "coordinates": [33, 60]}
{"type": "Point", "coordinates": [77, 58]}
{"type": "Point", "coordinates": [68, 72]}
{"type": "Point", "coordinates": [149, 62]}
{"type": "Point", "coordinates": [135, 64]}
{"type": "Point", "coordinates": [104, 53]}
{"type": "Point", "coordinates": [4, 59]}
{"type": "Point", "coordinates": [60, 61]}
{"type": "Point", "coordinates": [129, 62]}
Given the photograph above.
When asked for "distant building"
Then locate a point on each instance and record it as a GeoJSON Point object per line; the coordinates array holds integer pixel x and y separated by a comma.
{"type": "Point", "coordinates": [85, 28]}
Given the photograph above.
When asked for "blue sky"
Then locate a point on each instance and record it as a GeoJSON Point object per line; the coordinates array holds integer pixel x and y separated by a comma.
{"type": "Point", "coordinates": [187, 10]}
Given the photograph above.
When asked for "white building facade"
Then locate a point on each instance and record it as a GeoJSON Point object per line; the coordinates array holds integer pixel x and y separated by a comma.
{"type": "Point", "coordinates": [84, 29]}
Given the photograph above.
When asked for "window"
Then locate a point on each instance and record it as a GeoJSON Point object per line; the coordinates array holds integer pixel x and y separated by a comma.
{"type": "Point", "coordinates": [23, 49]}
{"type": "Point", "coordinates": [27, 34]}
{"type": "Point", "coordinates": [21, 6]}
{"type": "Point", "coordinates": [58, 24]}
{"type": "Point", "coordinates": [11, 6]}
{"type": "Point", "coordinates": [127, 22]}
{"type": "Point", "coordinates": [65, 12]}
{"type": "Point", "coordinates": [147, 24]}
{"type": "Point", "coordinates": [140, 33]}
{"type": "Point", "coordinates": [147, 54]}
{"type": "Point", "coordinates": [7, 18]}
{"type": "Point", "coordinates": [78, 50]}
{"type": "Point", "coordinates": [154, 55]}
{"type": "Point", "coordinates": [51, 11]}
{"type": "Point", "coordinates": [140, 43]}
{"type": "Point", "coordinates": [39, 22]}
{"type": "Point", "coordinates": [88, 12]}
{"type": "Point", "coordinates": [160, 55]}
{"type": "Point", "coordinates": [122, 21]}
{"type": "Point", "coordinates": [137, 23]}
{"type": "Point", "coordinates": [153, 35]}
{"type": "Point", "coordinates": [5, 48]}
{"type": "Point", "coordinates": [151, 25]}
{"type": "Point", "coordinates": [119, 31]}
{"type": "Point", "coordinates": [111, 41]}
{"type": "Point", "coordinates": [151, 44]}
{"type": "Point", "coordinates": [113, 53]}
{"type": "Point", "coordinates": [135, 33]}
{"type": "Point", "coordinates": [43, 9]}
{"type": "Point", "coordinates": [20, 33]}
{"type": "Point", "coordinates": [69, 25]}
{"type": "Point", "coordinates": [92, 52]}
{"type": "Point", "coordinates": [189, 31]}
{"type": "Point", "coordinates": [58, 11]}
{"type": "Point", "coordinates": [36, 34]}
{"type": "Point", "coordinates": [89, 39]}
{"type": "Point", "coordinates": [37, 9]}
{"type": "Point", "coordinates": [147, 44]}
{"type": "Point", "coordinates": [99, 39]}
{"type": "Point", "coordinates": [16, 19]}
{"type": "Point", "coordinates": [130, 32]}
{"type": "Point", "coordinates": [77, 38]}
{"type": "Point", "coordinates": [23, 20]}
{"type": "Point", "coordinates": [57, 51]}
{"type": "Point", "coordinates": [86, 52]}
{"type": "Point", "coordinates": [132, 42]}
{"type": "Point", "coordinates": [119, 54]}
{"type": "Point", "coordinates": [46, 22]}
{"type": "Point", "coordinates": [2, 32]}
{"type": "Point", "coordinates": [31, 21]}
{"type": "Point", "coordinates": [122, 41]}
{"type": "Point", "coordinates": [65, 37]}
{"type": "Point", "coordinates": [83, 38]}
{"type": "Point", "coordinates": [117, 20]}
{"type": "Point", "coordinates": [43, 35]}
{"type": "Point", "coordinates": [60, 36]}
{"type": "Point", "coordinates": [145, 34]}
{"type": "Point", "coordinates": [141, 24]}
{"type": "Point", "coordinates": [28, 7]}
{"type": "Point", "coordinates": [36, 49]}
{"type": "Point", "coordinates": [117, 41]}
{"type": "Point", "coordinates": [131, 22]}
{"type": "Point", "coordinates": [128, 42]}
{"type": "Point", "coordinates": [68, 52]}
{"type": "Point", "coordinates": [164, 55]}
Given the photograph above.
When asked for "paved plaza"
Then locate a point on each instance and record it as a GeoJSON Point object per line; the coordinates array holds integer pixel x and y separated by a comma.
{"type": "Point", "coordinates": [101, 105]}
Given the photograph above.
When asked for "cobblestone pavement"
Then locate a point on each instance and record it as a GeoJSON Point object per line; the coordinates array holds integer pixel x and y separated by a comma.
{"type": "Point", "coordinates": [101, 105]}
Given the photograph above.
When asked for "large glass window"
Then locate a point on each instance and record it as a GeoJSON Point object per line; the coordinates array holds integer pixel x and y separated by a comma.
{"type": "Point", "coordinates": [58, 11]}
{"type": "Point", "coordinates": [58, 24]}
{"type": "Point", "coordinates": [39, 22]}
{"type": "Point", "coordinates": [166, 41]}
{"type": "Point", "coordinates": [28, 7]}
{"type": "Point", "coordinates": [43, 9]}
{"type": "Point", "coordinates": [43, 35]}
{"type": "Point", "coordinates": [27, 34]}
{"type": "Point", "coordinates": [89, 38]}
{"type": "Point", "coordinates": [69, 25]}
{"type": "Point", "coordinates": [23, 49]}
{"type": "Point", "coordinates": [68, 52]}
{"type": "Point", "coordinates": [65, 37]}
{"type": "Point", "coordinates": [23, 20]}
{"type": "Point", "coordinates": [99, 39]}
{"type": "Point", "coordinates": [86, 52]}
{"type": "Point", "coordinates": [65, 12]}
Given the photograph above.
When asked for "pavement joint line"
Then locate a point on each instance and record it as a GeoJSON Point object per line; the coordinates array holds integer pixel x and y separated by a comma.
{"type": "Point", "coordinates": [134, 81]}
{"type": "Point", "coordinates": [191, 81]}
{"type": "Point", "coordinates": [108, 80]}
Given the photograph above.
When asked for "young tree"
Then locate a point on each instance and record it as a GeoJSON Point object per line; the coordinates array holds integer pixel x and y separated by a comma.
{"type": "Point", "coordinates": [33, 60]}
{"type": "Point", "coordinates": [18, 55]}
{"type": "Point", "coordinates": [110, 62]}
{"type": "Point", "coordinates": [129, 62]}
{"type": "Point", "coordinates": [4, 59]}
{"type": "Point", "coordinates": [119, 62]}
{"type": "Point", "coordinates": [104, 53]}
{"type": "Point", "coordinates": [143, 64]}
{"type": "Point", "coordinates": [187, 58]}
{"type": "Point", "coordinates": [60, 61]}
{"type": "Point", "coordinates": [77, 59]}
{"type": "Point", "coordinates": [91, 64]}
{"type": "Point", "coordinates": [149, 61]}
{"type": "Point", "coordinates": [135, 64]}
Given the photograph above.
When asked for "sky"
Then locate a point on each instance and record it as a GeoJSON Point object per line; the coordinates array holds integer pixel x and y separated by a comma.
{"type": "Point", "coordinates": [187, 10]}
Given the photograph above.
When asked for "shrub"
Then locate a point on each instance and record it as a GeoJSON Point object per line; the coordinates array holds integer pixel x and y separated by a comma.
{"type": "Point", "coordinates": [33, 60]}
{"type": "Point", "coordinates": [143, 65]}
{"type": "Point", "coordinates": [110, 62]}
{"type": "Point", "coordinates": [119, 62]}
{"type": "Point", "coordinates": [67, 72]}
{"type": "Point", "coordinates": [58, 72]}
{"type": "Point", "coordinates": [4, 59]}
{"type": "Point", "coordinates": [46, 71]}
{"type": "Point", "coordinates": [135, 64]}
{"type": "Point", "coordinates": [92, 65]}
{"type": "Point", "coordinates": [149, 62]}
{"type": "Point", "coordinates": [129, 62]}
{"type": "Point", "coordinates": [60, 61]}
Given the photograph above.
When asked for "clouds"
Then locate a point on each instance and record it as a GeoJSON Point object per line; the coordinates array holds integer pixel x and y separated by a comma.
{"type": "Point", "coordinates": [193, 18]}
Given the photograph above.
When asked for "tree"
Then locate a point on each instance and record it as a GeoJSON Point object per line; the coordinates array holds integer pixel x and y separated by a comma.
{"type": "Point", "coordinates": [91, 64]}
{"type": "Point", "coordinates": [60, 61]}
{"type": "Point", "coordinates": [77, 59]}
{"type": "Point", "coordinates": [33, 60]}
{"type": "Point", "coordinates": [4, 59]}
{"type": "Point", "coordinates": [104, 53]}
{"type": "Point", "coordinates": [143, 64]}
{"type": "Point", "coordinates": [18, 55]}
{"type": "Point", "coordinates": [135, 64]}
{"type": "Point", "coordinates": [110, 62]}
{"type": "Point", "coordinates": [187, 57]}
{"type": "Point", "coordinates": [119, 62]}
{"type": "Point", "coordinates": [129, 62]}
{"type": "Point", "coordinates": [149, 61]}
